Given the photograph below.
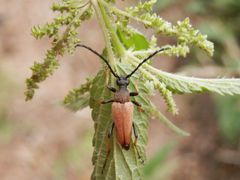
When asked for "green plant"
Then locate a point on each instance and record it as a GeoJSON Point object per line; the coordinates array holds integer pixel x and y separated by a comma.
{"type": "Point", "coordinates": [124, 42]}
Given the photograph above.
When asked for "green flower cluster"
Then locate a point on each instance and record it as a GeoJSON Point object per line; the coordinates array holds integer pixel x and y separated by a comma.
{"type": "Point", "coordinates": [71, 14]}
{"type": "Point", "coordinates": [78, 98]}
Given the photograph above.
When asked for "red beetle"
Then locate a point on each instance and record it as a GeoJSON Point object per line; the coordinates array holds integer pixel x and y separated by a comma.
{"type": "Point", "coordinates": [122, 105]}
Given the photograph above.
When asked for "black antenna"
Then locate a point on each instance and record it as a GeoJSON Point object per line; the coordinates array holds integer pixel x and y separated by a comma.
{"type": "Point", "coordinates": [150, 56]}
{"type": "Point", "coordinates": [99, 55]}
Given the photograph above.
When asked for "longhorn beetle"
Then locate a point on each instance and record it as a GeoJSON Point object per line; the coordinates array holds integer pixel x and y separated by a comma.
{"type": "Point", "coordinates": [122, 106]}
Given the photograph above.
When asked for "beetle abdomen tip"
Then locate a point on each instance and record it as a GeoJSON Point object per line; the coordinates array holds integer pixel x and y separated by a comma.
{"type": "Point", "coordinates": [126, 146]}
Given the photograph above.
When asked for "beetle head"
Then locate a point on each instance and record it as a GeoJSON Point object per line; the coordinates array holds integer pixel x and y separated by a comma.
{"type": "Point", "coordinates": [122, 81]}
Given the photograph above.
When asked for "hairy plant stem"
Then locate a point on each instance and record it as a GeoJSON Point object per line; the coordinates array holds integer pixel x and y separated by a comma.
{"type": "Point", "coordinates": [109, 33]}
{"type": "Point", "coordinates": [105, 32]}
{"type": "Point", "coordinates": [120, 51]}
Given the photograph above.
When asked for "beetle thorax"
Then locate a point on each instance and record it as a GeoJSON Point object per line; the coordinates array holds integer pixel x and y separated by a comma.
{"type": "Point", "coordinates": [122, 95]}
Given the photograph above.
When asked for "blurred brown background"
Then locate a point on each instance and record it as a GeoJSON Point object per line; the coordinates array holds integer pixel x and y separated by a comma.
{"type": "Point", "coordinates": [41, 139]}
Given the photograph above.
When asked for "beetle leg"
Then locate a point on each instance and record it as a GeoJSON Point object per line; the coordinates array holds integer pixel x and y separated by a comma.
{"type": "Point", "coordinates": [135, 134]}
{"type": "Point", "coordinates": [111, 130]}
{"type": "Point", "coordinates": [133, 93]}
{"type": "Point", "coordinates": [108, 146]}
{"type": "Point", "coordinates": [138, 105]}
{"type": "Point", "coordinates": [112, 89]}
{"type": "Point", "coordinates": [135, 141]}
{"type": "Point", "coordinates": [108, 101]}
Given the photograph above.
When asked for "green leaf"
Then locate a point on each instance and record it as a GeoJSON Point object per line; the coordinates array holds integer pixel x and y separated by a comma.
{"type": "Point", "coordinates": [78, 99]}
{"type": "Point", "coordinates": [79, 102]}
{"type": "Point", "coordinates": [132, 38]}
{"type": "Point", "coordinates": [183, 84]}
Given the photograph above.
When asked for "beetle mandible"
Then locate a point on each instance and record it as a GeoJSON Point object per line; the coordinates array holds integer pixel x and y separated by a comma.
{"type": "Point", "coordinates": [122, 105]}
